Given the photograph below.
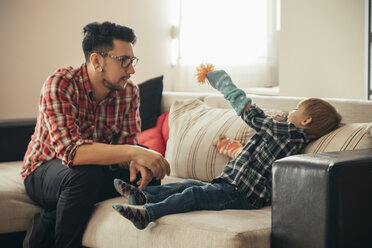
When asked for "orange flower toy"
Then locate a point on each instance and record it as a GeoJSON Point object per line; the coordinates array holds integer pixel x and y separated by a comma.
{"type": "Point", "coordinates": [203, 71]}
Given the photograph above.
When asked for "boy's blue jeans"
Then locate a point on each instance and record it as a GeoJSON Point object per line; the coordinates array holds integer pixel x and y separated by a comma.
{"type": "Point", "coordinates": [191, 195]}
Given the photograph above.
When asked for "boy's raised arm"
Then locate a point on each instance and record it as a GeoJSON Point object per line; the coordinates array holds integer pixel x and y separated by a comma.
{"type": "Point", "coordinates": [222, 82]}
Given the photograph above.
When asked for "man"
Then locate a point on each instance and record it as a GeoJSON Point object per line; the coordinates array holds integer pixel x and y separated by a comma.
{"type": "Point", "coordinates": [85, 136]}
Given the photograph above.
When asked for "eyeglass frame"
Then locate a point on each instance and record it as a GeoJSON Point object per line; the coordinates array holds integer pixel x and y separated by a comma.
{"type": "Point", "coordinates": [132, 61]}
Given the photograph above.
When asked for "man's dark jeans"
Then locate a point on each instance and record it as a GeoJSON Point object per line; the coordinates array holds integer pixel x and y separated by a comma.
{"type": "Point", "coordinates": [67, 196]}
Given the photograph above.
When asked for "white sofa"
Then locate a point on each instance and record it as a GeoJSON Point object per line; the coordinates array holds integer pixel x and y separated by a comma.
{"type": "Point", "coordinates": [227, 228]}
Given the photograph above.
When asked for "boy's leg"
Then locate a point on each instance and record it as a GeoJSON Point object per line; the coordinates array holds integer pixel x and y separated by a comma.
{"type": "Point", "coordinates": [208, 197]}
{"type": "Point", "coordinates": [158, 194]}
{"type": "Point", "coordinates": [67, 196]}
{"type": "Point", "coordinates": [151, 193]}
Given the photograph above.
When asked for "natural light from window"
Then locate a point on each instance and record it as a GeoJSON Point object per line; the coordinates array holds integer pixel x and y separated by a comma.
{"type": "Point", "coordinates": [230, 32]}
{"type": "Point", "coordinates": [239, 36]}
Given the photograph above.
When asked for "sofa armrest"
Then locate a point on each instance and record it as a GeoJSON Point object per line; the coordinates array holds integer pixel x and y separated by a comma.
{"type": "Point", "coordinates": [15, 136]}
{"type": "Point", "coordinates": [322, 200]}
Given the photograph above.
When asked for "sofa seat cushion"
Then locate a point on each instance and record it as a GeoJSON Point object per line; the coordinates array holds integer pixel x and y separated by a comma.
{"type": "Point", "coordinates": [227, 228]}
{"type": "Point", "coordinates": [15, 206]}
{"type": "Point", "coordinates": [106, 228]}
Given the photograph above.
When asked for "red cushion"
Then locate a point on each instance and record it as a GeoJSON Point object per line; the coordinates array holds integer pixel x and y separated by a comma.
{"type": "Point", "coordinates": [153, 138]}
{"type": "Point", "coordinates": [165, 128]}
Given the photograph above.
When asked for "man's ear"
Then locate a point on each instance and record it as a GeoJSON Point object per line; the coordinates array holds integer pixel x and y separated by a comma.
{"type": "Point", "coordinates": [95, 60]}
{"type": "Point", "coordinates": [307, 121]}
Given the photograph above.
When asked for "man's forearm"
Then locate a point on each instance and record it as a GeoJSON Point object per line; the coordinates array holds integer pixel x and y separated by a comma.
{"type": "Point", "coordinates": [103, 154]}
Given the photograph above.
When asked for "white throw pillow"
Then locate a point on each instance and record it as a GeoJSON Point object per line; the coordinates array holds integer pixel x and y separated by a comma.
{"type": "Point", "coordinates": [351, 136]}
{"type": "Point", "coordinates": [194, 129]}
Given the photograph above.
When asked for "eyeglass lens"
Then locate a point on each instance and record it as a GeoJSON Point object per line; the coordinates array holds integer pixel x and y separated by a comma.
{"type": "Point", "coordinates": [127, 62]}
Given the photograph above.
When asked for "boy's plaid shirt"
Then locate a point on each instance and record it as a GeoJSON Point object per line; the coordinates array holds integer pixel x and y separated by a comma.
{"type": "Point", "coordinates": [251, 170]}
{"type": "Point", "coordinates": [69, 116]}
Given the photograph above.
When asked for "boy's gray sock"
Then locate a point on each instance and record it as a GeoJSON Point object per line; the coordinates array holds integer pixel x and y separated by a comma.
{"type": "Point", "coordinates": [134, 196]}
{"type": "Point", "coordinates": [139, 217]}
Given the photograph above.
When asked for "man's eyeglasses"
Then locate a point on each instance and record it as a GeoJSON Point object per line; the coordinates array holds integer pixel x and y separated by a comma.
{"type": "Point", "coordinates": [125, 61]}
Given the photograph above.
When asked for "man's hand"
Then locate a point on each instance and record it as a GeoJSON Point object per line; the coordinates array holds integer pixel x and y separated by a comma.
{"type": "Point", "coordinates": [153, 161]}
{"type": "Point", "coordinates": [146, 175]}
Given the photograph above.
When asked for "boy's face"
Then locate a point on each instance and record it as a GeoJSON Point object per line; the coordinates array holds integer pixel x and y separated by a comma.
{"type": "Point", "coordinates": [299, 117]}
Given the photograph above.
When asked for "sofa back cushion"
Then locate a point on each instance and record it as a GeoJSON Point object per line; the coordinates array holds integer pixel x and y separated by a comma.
{"type": "Point", "coordinates": [352, 110]}
{"type": "Point", "coordinates": [194, 129]}
{"type": "Point", "coordinates": [150, 95]}
{"type": "Point", "coordinates": [14, 138]}
{"type": "Point", "coordinates": [351, 136]}
{"type": "Point", "coordinates": [153, 137]}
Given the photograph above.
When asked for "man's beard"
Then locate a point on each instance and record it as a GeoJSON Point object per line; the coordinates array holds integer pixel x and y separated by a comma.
{"type": "Point", "coordinates": [112, 86]}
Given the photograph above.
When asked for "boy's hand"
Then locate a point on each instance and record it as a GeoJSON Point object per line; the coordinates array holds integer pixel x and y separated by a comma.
{"type": "Point", "coordinates": [222, 82]}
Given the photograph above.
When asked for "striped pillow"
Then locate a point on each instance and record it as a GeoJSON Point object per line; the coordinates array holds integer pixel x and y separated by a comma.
{"type": "Point", "coordinates": [351, 136]}
{"type": "Point", "coordinates": [194, 129]}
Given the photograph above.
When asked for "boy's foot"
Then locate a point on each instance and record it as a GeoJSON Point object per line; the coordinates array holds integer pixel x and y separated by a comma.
{"type": "Point", "coordinates": [134, 196]}
{"type": "Point", "coordinates": [139, 217]}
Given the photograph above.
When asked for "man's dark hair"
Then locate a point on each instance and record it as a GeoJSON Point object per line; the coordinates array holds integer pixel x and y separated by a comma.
{"type": "Point", "coordinates": [98, 37]}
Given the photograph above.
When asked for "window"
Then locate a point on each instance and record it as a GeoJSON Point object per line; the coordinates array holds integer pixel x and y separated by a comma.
{"type": "Point", "coordinates": [239, 36]}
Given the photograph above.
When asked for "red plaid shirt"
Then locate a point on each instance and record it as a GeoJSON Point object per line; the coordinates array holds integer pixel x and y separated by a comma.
{"type": "Point", "coordinates": [69, 116]}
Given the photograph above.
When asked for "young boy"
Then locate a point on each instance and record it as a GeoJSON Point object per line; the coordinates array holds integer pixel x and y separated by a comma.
{"type": "Point", "coordinates": [245, 182]}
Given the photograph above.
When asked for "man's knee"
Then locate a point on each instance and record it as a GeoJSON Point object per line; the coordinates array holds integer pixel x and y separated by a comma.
{"type": "Point", "coordinates": [90, 177]}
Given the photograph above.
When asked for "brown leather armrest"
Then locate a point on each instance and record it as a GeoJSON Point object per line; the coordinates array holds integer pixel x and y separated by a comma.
{"type": "Point", "coordinates": [323, 200]}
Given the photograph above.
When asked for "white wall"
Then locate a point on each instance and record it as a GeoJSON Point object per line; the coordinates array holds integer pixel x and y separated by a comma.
{"type": "Point", "coordinates": [39, 36]}
{"type": "Point", "coordinates": [152, 24]}
{"type": "Point", "coordinates": [321, 47]}
{"type": "Point", "coordinates": [322, 50]}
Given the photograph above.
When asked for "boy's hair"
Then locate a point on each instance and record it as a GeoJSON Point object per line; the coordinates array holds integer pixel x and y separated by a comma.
{"type": "Point", "coordinates": [99, 37]}
{"type": "Point", "coordinates": [325, 117]}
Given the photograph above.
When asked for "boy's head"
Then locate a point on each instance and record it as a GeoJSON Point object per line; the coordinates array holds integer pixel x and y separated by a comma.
{"type": "Point", "coordinates": [316, 116]}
